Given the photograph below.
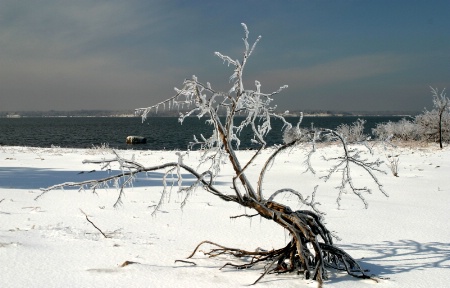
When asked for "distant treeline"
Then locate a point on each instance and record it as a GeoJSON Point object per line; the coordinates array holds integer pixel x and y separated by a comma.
{"type": "Point", "coordinates": [74, 113]}
{"type": "Point", "coordinates": [130, 113]}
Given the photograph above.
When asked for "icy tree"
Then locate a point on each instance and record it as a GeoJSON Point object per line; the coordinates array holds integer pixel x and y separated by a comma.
{"type": "Point", "coordinates": [437, 117]}
{"type": "Point", "coordinates": [311, 248]}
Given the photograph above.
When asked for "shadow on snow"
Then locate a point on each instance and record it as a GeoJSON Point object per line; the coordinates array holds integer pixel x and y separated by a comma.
{"type": "Point", "coordinates": [36, 178]}
{"type": "Point", "coordinates": [389, 257]}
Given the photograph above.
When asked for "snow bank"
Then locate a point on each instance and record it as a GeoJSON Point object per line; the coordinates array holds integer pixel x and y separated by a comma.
{"type": "Point", "coordinates": [403, 239]}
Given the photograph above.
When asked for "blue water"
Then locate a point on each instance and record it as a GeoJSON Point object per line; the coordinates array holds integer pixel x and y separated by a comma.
{"type": "Point", "coordinates": [161, 132]}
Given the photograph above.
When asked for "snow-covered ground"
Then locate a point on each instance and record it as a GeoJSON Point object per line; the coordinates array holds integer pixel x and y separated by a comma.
{"type": "Point", "coordinates": [404, 239]}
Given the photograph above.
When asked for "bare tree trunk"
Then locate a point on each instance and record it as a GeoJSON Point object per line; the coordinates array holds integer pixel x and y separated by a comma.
{"type": "Point", "coordinates": [309, 252]}
{"type": "Point", "coordinates": [440, 127]}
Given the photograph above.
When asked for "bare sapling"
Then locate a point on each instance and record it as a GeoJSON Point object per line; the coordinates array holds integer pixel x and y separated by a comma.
{"type": "Point", "coordinates": [311, 249]}
{"type": "Point", "coordinates": [441, 104]}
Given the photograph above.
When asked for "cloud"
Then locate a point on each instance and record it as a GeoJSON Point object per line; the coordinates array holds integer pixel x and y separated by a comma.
{"type": "Point", "coordinates": [111, 54]}
{"type": "Point", "coordinates": [69, 29]}
{"type": "Point", "coordinates": [82, 54]}
{"type": "Point", "coordinates": [87, 83]}
{"type": "Point", "coordinates": [337, 71]}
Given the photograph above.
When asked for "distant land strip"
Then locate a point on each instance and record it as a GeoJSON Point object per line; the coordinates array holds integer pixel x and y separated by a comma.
{"type": "Point", "coordinates": [175, 113]}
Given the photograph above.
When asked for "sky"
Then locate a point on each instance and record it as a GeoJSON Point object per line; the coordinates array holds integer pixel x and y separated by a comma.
{"type": "Point", "coordinates": [353, 55]}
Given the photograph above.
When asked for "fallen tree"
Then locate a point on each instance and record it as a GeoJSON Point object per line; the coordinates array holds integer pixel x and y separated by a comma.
{"type": "Point", "coordinates": [311, 249]}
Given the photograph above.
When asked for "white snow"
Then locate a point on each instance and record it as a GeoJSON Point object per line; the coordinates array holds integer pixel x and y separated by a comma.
{"type": "Point", "coordinates": [404, 240]}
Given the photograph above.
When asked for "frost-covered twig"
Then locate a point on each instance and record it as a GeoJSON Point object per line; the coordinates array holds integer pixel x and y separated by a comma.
{"type": "Point", "coordinates": [312, 203]}
{"type": "Point", "coordinates": [95, 226]}
{"type": "Point", "coordinates": [128, 177]}
{"type": "Point", "coordinates": [344, 162]}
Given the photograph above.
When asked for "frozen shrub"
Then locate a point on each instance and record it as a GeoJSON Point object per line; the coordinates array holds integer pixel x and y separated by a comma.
{"type": "Point", "coordinates": [404, 130]}
{"type": "Point", "coordinates": [297, 134]}
{"type": "Point", "coordinates": [353, 133]}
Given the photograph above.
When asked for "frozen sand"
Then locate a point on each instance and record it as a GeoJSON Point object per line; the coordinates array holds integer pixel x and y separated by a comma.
{"type": "Point", "coordinates": [403, 239]}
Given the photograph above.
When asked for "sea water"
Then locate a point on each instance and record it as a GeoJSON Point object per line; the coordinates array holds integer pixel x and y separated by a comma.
{"type": "Point", "coordinates": [161, 132]}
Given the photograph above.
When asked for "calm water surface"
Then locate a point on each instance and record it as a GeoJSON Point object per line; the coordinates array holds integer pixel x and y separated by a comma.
{"type": "Point", "coordinates": [161, 132]}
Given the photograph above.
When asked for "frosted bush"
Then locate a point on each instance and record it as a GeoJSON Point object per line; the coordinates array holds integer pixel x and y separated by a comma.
{"type": "Point", "coordinates": [100, 149]}
{"type": "Point", "coordinates": [353, 133]}
{"type": "Point", "coordinates": [430, 126]}
{"type": "Point", "coordinates": [423, 127]}
{"type": "Point", "coordinates": [404, 130]}
{"type": "Point", "coordinates": [297, 134]}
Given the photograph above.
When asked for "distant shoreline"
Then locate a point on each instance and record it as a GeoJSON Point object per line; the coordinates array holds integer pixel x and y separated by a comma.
{"type": "Point", "coordinates": [128, 114]}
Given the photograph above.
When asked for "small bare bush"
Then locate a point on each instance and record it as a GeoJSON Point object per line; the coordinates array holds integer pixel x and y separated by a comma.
{"type": "Point", "coordinates": [393, 164]}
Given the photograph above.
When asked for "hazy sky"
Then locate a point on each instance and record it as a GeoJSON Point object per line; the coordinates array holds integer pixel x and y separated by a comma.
{"type": "Point", "coordinates": [115, 54]}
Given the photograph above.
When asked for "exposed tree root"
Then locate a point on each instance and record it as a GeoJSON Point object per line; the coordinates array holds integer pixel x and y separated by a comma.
{"type": "Point", "coordinates": [304, 254]}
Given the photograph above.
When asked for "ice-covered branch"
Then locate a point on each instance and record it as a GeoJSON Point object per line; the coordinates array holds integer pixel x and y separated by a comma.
{"type": "Point", "coordinates": [128, 176]}
{"type": "Point", "coordinates": [344, 163]}
{"type": "Point", "coordinates": [312, 203]}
